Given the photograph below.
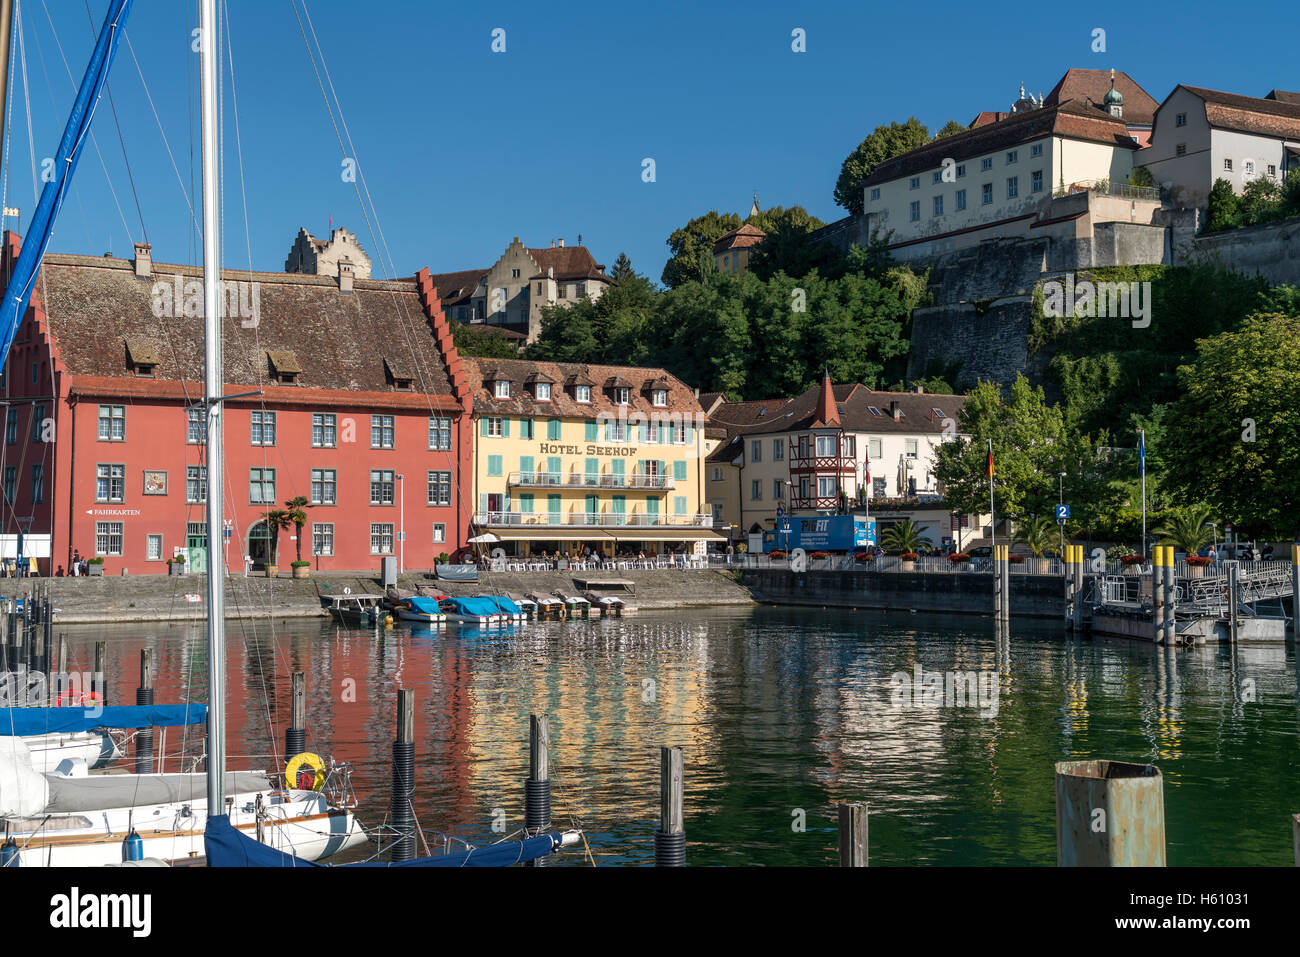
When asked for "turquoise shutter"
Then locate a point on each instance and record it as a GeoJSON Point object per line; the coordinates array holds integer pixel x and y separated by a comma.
{"type": "Point", "coordinates": [526, 468]}
{"type": "Point", "coordinates": [591, 431]}
{"type": "Point", "coordinates": [482, 426]}
{"type": "Point", "coordinates": [505, 428]}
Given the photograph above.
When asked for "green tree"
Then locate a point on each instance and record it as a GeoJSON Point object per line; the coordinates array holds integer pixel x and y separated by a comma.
{"type": "Point", "coordinates": [277, 521]}
{"type": "Point", "coordinates": [1221, 212]}
{"type": "Point", "coordinates": [483, 341]}
{"type": "Point", "coordinates": [885, 141]}
{"type": "Point", "coordinates": [295, 510]}
{"type": "Point", "coordinates": [1038, 534]}
{"type": "Point", "coordinates": [951, 128]}
{"type": "Point", "coordinates": [1187, 529]}
{"type": "Point", "coordinates": [1237, 424]}
{"type": "Point", "coordinates": [691, 247]}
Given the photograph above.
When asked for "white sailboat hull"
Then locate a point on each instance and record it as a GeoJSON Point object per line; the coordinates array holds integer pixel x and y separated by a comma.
{"type": "Point", "coordinates": [48, 751]}
{"type": "Point", "coordinates": [297, 822]}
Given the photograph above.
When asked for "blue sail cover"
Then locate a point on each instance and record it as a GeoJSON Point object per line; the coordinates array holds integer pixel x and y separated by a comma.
{"type": "Point", "coordinates": [427, 606]}
{"type": "Point", "coordinates": [475, 606]}
{"type": "Point", "coordinates": [227, 846]}
{"type": "Point", "coordinates": [41, 228]}
{"type": "Point", "coordinates": [32, 721]}
{"type": "Point", "coordinates": [503, 604]}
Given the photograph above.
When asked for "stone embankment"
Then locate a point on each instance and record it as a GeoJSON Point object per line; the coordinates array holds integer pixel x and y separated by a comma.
{"type": "Point", "coordinates": [184, 597]}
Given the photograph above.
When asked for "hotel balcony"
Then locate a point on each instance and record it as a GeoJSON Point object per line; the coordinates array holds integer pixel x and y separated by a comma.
{"type": "Point", "coordinates": [591, 520]}
{"type": "Point", "coordinates": [576, 480]}
{"type": "Point", "coordinates": [830, 464]}
{"type": "Point", "coordinates": [816, 504]}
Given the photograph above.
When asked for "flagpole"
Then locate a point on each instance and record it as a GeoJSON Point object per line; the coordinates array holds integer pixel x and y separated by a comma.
{"type": "Point", "coordinates": [993, 518]}
{"type": "Point", "coordinates": [1142, 464]}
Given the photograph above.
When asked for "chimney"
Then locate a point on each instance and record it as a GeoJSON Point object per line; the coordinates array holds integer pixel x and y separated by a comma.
{"type": "Point", "coordinates": [143, 261]}
{"type": "Point", "coordinates": [918, 389]}
{"type": "Point", "coordinates": [895, 410]}
{"type": "Point", "coordinates": [552, 243]}
{"type": "Point", "coordinates": [345, 275]}
{"type": "Point", "coordinates": [561, 243]}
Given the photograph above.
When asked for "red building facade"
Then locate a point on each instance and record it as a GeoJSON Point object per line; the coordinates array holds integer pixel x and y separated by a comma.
{"type": "Point", "coordinates": [346, 392]}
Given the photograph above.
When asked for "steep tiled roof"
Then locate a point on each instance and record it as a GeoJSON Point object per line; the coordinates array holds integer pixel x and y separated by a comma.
{"type": "Point", "coordinates": [456, 288]}
{"type": "Point", "coordinates": [855, 403]}
{"type": "Point", "coordinates": [93, 304]}
{"type": "Point", "coordinates": [744, 415]}
{"type": "Point", "coordinates": [1070, 119]}
{"type": "Point", "coordinates": [742, 237]}
{"type": "Point", "coordinates": [1091, 86]}
{"type": "Point", "coordinates": [1248, 114]}
{"type": "Point", "coordinates": [1285, 96]}
{"type": "Point", "coordinates": [681, 398]}
{"type": "Point", "coordinates": [568, 262]}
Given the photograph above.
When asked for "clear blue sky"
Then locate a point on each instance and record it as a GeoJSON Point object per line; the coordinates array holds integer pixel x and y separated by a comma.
{"type": "Point", "coordinates": [464, 148]}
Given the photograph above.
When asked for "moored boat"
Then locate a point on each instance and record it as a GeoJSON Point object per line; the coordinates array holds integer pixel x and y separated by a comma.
{"type": "Point", "coordinates": [575, 606]}
{"type": "Point", "coordinates": [473, 611]}
{"type": "Point", "coordinates": [427, 611]}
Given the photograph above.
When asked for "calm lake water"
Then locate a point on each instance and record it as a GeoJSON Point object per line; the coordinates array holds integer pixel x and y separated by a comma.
{"type": "Point", "coordinates": [781, 713]}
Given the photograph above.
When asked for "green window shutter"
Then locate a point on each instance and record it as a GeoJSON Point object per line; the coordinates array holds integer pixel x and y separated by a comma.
{"type": "Point", "coordinates": [690, 435]}
{"type": "Point", "coordinates": [592, 469]}
{"type": "Point", "coordinates": [663, 433]}
{"type": "Point", "coordinates": [619, 508]}
{"type": "Point", "coordinates": [609, 431]}
{"type": "Point", "coordinates": [679, 470]}
{"type": "Point", "coordinates": [592, 505]}
{"type": "Point", "coordinates": [505, 428]}
{"type": "Point", "coordinates": [618, 467]}
{"type": "Point", "coordinates": [494, 465]}
{"type": "Point", "coordinates": [554, 467]}
{"type": "Point", "coordinates": [553, 430]}
{"type": "Point", "coordinates": [652, 506]}
{"type": "Point", "coordinates": [526, 468]}
{"type": "Point", "coordinates": [526, 502]}
{"type": "Point", "coordinates": [679, 504]}
{"type": "Point", "coordinates": [482, 426]}
{"type": "Point", "coordinates": [591, 431]}
{"type": "Point", "coordinates": [553, 504]}
{"type": "Point", "coordinates": [525, 428]}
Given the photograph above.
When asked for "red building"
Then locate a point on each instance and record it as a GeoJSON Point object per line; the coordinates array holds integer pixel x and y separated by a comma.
{"type": "Point", "coordinates": [348, 392]}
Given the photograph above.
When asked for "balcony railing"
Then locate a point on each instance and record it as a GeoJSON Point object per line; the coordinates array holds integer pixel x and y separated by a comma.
{"type": "Point", "coordinates": [592, 520]}
{"type": "Point", "coordinates": [589, 480]}
{"type": "Point", "coordinates": [840, 464]}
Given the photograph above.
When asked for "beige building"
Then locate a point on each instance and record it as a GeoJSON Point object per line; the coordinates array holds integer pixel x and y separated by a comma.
{"type": "Point", "coordinates": [511, 293]}
{"type": "Point", "coordinates": [321, 257]}
{"type": "Point", "coordinates": [996, 178]}
{"type": "Point", "coordinates": [571, 456]}
{"type": "Point", "coordinates": [835, 449]}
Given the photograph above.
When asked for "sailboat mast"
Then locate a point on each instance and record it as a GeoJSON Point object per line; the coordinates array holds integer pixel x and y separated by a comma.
{"type": "Point", "coordinates": [212, 393]}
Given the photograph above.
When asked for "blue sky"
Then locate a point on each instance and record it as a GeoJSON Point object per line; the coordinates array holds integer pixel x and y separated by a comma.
{"type": "Point", "coordinates": [464, 148]}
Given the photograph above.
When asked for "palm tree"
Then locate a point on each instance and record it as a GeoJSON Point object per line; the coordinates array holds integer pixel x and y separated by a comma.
{"type": "Point", "coordinates": [295, 511]}
{"type": "Point", "coordinates": [904, 536]}
{"type": "Point", "coordinates": [1037, 534]}
{"type": "Point", "coordinates": [277, 520]}
{"type": "Point", "coordinates": [1186, 529]}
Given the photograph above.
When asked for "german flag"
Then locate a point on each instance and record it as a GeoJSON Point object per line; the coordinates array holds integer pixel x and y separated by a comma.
{"type": "Point", "coordinates": [988, 472]}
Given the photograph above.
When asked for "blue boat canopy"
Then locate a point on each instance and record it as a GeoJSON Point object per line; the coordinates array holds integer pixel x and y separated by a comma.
{"type": "Point", "coordinates": [503, 604]}
{"type": "Point", "coordinates": [227, 846]}
{"type": "Point", "coordinates": [428, 606]}
{"type": "Point", "coordinates": [476, 606]}
{"type": "Point", "coordinates": [32, 721]}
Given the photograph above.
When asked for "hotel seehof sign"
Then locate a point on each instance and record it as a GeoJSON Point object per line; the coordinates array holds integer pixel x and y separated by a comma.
{"type": "Point", "coordinates": [592, 449]}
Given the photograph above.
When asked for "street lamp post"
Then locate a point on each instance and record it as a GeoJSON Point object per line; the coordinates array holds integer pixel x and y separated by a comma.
{"type": "Point", "coordinates": [1061, 522]}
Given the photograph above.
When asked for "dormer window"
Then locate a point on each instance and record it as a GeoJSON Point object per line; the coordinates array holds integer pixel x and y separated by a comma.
{"type": "Point", "coordinates": [582, 393]}
{"type": "Point", "coordinates": [501, 389]}
{"type": "Point", "coordinates": [543, 392]}
{"type": "Point", "coordinates": [282, 366]}
{"type": "Point", "coordinates": [622, 395]}
{"type": "Point", "coordinates": [659, 397]}
{"type": "Point", "coordinates": [399, 374]}
{"type": "Point", "coordinates": [141, 357]}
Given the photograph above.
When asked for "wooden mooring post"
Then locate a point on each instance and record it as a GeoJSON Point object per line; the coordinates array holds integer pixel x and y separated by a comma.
{"type": "Point", "coordinates": [1109, 814]}
{"type": "Point", "coordinates": [537, 788]}
{"type": "Point", "coordinates": [853, 834]}
{"type": "Point", "coordinates": [144, 696]}
{"type": "Point", "coordinates": [670, 839]}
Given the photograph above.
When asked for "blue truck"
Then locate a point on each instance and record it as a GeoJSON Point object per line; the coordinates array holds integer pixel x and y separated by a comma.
{"type": "Point", "coordinates": [826, 533]}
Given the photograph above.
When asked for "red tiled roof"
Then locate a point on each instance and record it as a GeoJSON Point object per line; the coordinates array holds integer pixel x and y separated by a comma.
{"type": "Point", "coordinates": [681, 398]}
{"type": "Point", "coordinates": [568, 262]}
{"type": "Point", "coordinates": [826, 413]}
{"type": "Point", "coordinates": [1071, 119]}
{"type": "Point", "coordinates": [1248, 114]}
{"type": "Point", "coordinates": [456, 288]}
{"type": "Point", "coordinates": [93, 304]}
{"type": "Point", "coordinates": [1091, 86]}
{"type": "Point", "coordinates": [742, 237]}
{"type": "Point", "coordinates": [985, 117]}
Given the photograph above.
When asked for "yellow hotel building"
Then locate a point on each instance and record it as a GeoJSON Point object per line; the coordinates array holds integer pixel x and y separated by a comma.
{"type": "Point", "coordinates": [570, 457]}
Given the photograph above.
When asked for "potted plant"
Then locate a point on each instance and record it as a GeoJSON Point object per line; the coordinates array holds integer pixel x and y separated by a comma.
{"type": "Point", "coordinates": [1196, 565]}
{"type": "Point", "coordinates": [820, 555]}
{"type": "Point", "coordinates": [777, 555]}
{"type": "Point", "coordinates": [1133, 563]}
{"type": "Point", "coordinates": [960, 560]}
{"type": "Point", "coordinates": [1037, 534]}
{"type": "Point", "coordinates": [301, 568]}
{"type": "Point", "coordinates": [277, 521]}
{"type": "Point", "coordinates": [1016, 559]}
{"type": "Point", "coordinates": [904, 537]}
{"type": "Point", "coordinates": [864, 557]}
{"type": "Point", "coordinates": [1188, 530]}
{"type": "Point", "coordinates": [176, 565]}
{"type": "Point", "coordinates": [95, 566]}
{"type": "Point", "coordinates": [443, 558]}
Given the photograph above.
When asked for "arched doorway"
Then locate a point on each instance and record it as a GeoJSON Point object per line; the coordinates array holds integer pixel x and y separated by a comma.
{"type": "Point", "coordinates": [259, 545]}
